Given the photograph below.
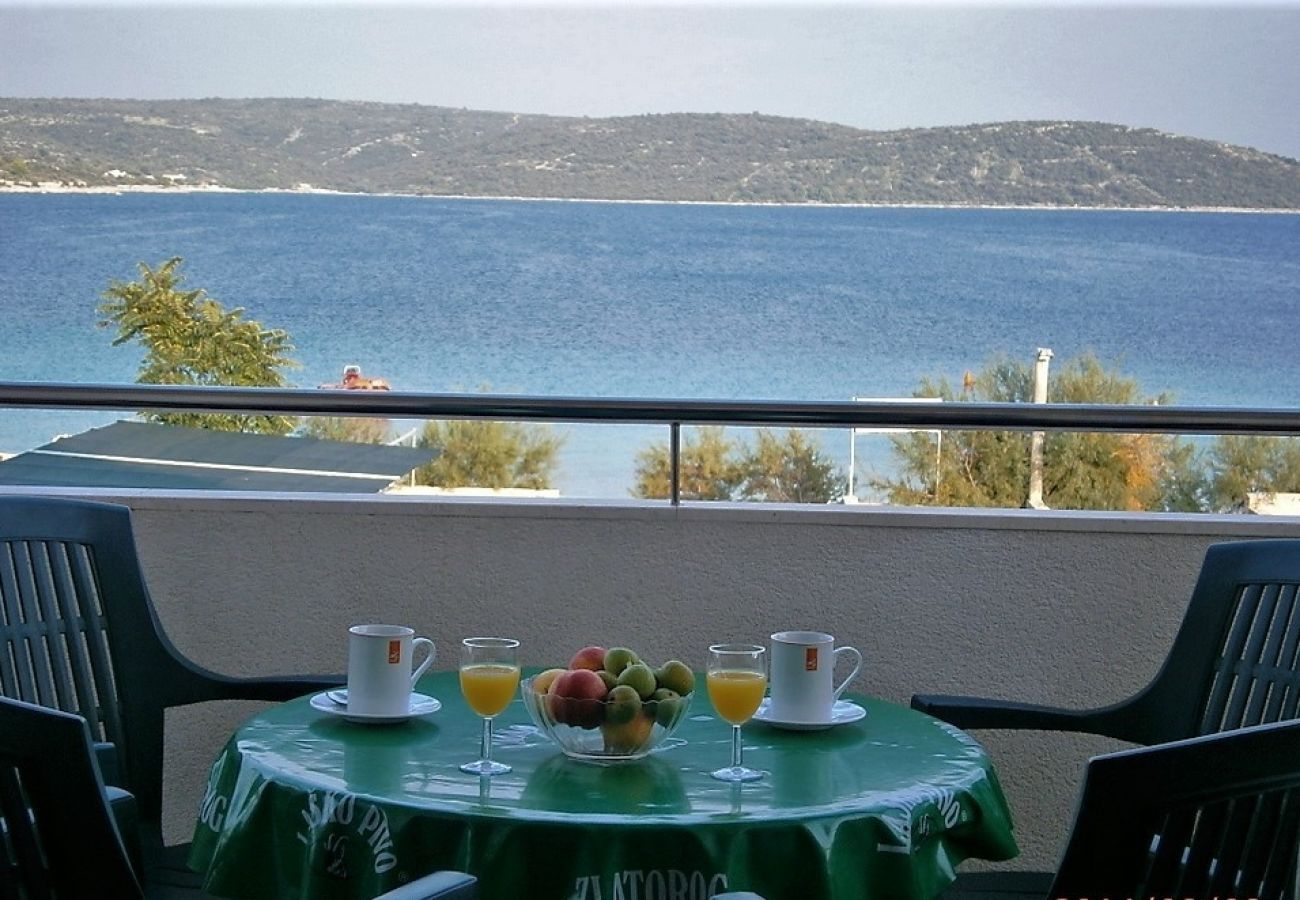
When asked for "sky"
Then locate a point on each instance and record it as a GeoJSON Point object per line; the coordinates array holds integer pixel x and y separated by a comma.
{"type": "Point", "coordinates": [1228, 72]}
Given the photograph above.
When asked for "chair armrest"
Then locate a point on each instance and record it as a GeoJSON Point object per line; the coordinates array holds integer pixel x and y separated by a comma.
{"type": "Point", "coordinates": [278, 687]}
{"type": "Point", "coordinates": [979, 712]}
{"type": "Point", "coordinates": [194, 684]}
{"type": "Point", "coordinates": [126, 814]}
{"type": "Point", "coordinates": [437, 886]}
{"type": "Point", "coordinates": [110, 767]}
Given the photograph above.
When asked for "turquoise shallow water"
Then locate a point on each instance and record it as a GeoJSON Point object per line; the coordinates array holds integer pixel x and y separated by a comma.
{"type": "Point", "coordinates": [611, 299]}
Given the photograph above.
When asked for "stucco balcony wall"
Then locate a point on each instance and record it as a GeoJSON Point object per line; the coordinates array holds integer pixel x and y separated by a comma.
{"type": "Point", "coordinates": [1051, 607]}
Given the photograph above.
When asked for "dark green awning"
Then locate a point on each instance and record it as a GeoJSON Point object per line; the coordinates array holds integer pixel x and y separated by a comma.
{"type": "Point", "coordinates": [138, 455]}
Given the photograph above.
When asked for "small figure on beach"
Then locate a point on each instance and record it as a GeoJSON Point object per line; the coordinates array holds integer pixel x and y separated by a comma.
{"type": "Point", "coordinates": [353, 380]}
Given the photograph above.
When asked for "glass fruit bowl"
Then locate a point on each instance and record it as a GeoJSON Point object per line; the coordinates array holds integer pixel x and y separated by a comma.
{"type": "Point", "coordinates": [607, 729]}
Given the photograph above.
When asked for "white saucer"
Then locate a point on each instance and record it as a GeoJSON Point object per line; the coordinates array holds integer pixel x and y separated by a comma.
{"type": "Point", "coordinates": [843, 712]}
{"type": "Point", "coordinates": [421, 705]}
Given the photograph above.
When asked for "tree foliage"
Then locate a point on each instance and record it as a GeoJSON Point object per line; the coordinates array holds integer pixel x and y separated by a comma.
{"type": "Point", "coordinates": [191, 339]}
{"type": "Point", "coordinates": [1240, 465]}
{"type": "Point", "coordinates": [787, 468]}
{"type": "Point", "coordinates": [708, 468]}
{"type": "Point", "coordinates": [973, 468]}
{"type": "Point", "coordinates": [1109, 471]}
{"type": "Point", "coordinates": [480, 453]}
{"type": "Point", "coordinates": [1080, 470]}
{"type": "Point", "coordinates": [351, 429]}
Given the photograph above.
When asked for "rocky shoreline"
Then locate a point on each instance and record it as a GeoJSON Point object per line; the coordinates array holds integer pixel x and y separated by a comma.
{"type": "Point", "coordinates": [58, 188]}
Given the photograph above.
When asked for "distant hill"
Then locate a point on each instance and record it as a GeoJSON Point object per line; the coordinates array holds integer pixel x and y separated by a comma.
{"type": "Point", "coordinates": [409, 149]}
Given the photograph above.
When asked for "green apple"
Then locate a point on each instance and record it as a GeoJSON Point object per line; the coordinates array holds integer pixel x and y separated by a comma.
{"type": "Point", "coordinates": [641, 677]}
{"type": "Point", "coordinates": [667, 705]}
{"type": "Point", "coordinates": [622, 705]}
{"type": "Point", "coordinates": [618, 659]}
{"type": "Point", "coordinates": [676, 676]}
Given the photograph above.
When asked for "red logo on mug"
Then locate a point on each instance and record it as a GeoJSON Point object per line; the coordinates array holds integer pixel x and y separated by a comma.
{"type": "Point", "coordinates": [810, 659]}
{"type": "Point", "coordinates": [394, 652]}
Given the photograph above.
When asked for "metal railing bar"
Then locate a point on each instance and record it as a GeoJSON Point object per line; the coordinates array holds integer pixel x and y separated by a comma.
{"type": "Point", "coordinates": [810, 414]}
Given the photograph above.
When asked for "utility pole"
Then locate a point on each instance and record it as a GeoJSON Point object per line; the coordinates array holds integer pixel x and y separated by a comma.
{"type": "Point", "coordinates": [1035, 500]}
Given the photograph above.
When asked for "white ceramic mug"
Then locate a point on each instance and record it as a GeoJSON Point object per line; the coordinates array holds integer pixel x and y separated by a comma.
{"type": "Point", "coordinates": [802, 676]}
{"type": "Point", "coordinates": [380, 679]}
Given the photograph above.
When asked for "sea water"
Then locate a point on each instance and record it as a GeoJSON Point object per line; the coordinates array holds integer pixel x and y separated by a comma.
{"type": "Point", "coordinates": [661, 300]}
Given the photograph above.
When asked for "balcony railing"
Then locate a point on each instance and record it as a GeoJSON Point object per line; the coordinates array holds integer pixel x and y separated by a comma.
{"type": "Point", "coordinates": [901, 414]}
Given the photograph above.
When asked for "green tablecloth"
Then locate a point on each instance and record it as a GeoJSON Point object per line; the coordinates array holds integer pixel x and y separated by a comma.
{"type": "Point", "coordinates": [302, 804]}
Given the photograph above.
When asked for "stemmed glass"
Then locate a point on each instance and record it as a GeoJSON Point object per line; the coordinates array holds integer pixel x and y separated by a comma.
{"type": "Point", "coordinates": [737, 678]}
{"type": "Point", "coordinates": [489, 677]}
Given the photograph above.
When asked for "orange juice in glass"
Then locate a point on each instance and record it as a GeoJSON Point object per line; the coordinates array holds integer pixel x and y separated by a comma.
{"type": "Point", "coordinates": [737, 678]}
{"type": "Point", "coordinates": [489, 687]}
{"type": "Point", "coordinates": [489, 674]}
{"type": "Point", "coordinates": [736, 695]}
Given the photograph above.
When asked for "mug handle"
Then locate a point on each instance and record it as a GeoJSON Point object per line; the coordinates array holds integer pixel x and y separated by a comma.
{"type": "Point", "coordinates": [428, 660]}
{"type": "Point", "coordinates": [857, 667]}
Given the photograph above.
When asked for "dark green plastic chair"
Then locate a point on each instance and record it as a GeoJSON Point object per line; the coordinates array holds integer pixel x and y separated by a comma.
{"type": "Point", "coordinates": [1235, 662]}
{"type": "Point", "coordinates": [60, 839]}
{"type": "Point", "coordinates": [1215, 816]}
{"type": "Point", "coordinates": [1207, 817]}
{"type": "Point", "coordinates": [79, 633]}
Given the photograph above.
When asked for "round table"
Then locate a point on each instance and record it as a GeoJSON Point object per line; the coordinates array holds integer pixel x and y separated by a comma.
{"type": "Point", "coordinates": [304, 804]}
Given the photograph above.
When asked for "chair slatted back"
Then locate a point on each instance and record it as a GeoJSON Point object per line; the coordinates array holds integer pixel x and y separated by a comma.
{"type": "Point", "coordinates": [53, 632]}
{"type": "Point", "coordinates": [1209, 817]}
{"type": "Point", "coordinates": [1235, 661]}
{"type": "Point", "coordinates": [1241, 847]}
{"type": "Point", "coordinates": [58, 840]}
{"type": "Point", "coordinates": [78, 631]}
{"type": "Point", "coordinates": [1255, 677]}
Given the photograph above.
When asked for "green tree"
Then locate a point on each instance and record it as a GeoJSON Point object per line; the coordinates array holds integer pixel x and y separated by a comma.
{"type": "Point", "coordinates": [1183, 485]}
{"type": "Point", "coordinates": [189, 338]}
{"type": "Point", "coordinates": [1080, 470]}
{"type": "Point", "coordinates": [355, 430]}
{"type": "Point", "coordinates": [488, 454]}
{"type": "Point", "coordinates": [708, 469]}
{"type": "Point", "coordinates": [1239, 465]}
{"type": "Point", "coordinates": [1085, 470]}
{"type": "Point", "coordinates": [974, 468]}
{"type": "Point", "coordinates": [789, 469]}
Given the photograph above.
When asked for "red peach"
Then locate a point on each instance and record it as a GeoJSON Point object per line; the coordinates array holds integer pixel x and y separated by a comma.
{"type": "Point", "coordinates": [588, 658]}
{"type": "Point", "coordinates": [574, 698]}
